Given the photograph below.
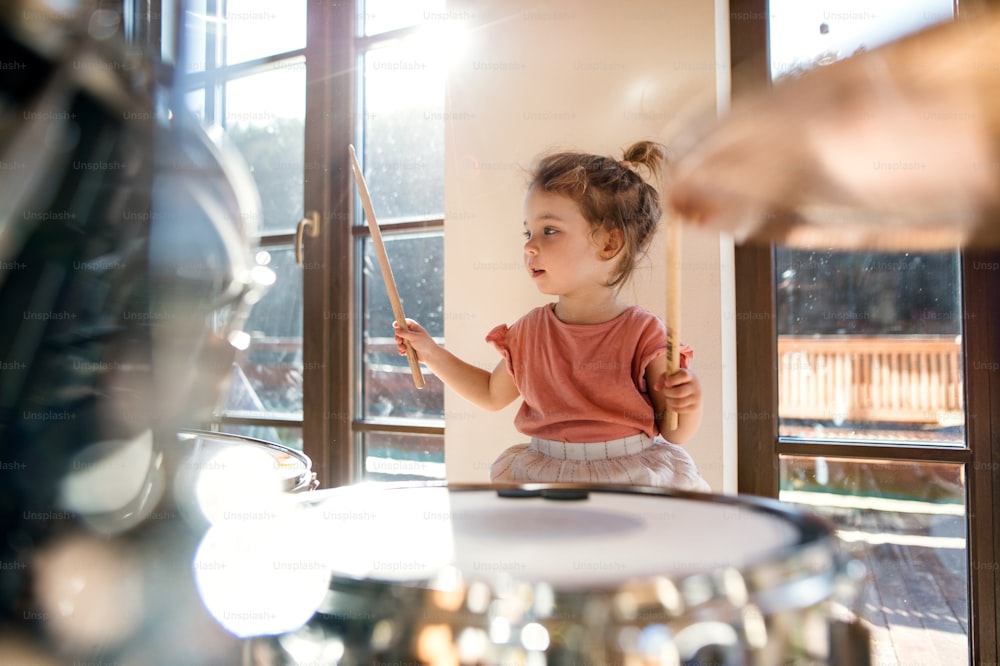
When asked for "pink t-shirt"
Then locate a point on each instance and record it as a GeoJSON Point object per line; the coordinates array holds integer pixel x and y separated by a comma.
{"type": "Point", "coordinates": [583, 382]}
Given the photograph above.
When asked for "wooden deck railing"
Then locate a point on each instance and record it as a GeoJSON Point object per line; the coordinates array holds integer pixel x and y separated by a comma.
{"type": "Point", "coordinates": [897, 379]}
{"type": "Point", "coordinates": [829, 379]}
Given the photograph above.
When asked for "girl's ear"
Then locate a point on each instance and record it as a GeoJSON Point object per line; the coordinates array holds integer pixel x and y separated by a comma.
{"type": "Point", "coordinates": [612, 243]}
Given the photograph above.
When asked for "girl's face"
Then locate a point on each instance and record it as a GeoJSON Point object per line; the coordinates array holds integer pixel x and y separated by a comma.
{"type": "Point", "coordinates": [561, 252]}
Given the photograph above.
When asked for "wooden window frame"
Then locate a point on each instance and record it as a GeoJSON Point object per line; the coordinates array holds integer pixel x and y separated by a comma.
{"type": "Point", "coordinates": [328, 424]}
{"type": "Point", "coordinates": [327, 340]}
{"type": "Point", "coordinates": [146, 20]}
{"type": "Point", "coordinates": [331, 425]}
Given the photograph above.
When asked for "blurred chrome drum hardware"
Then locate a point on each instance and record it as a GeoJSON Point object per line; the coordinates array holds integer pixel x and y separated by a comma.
{"type": "Point", "coordinates": [292, 468]}
{"type": "Point", "coordinates": [211, 471]}
{"type": "Point", "coordinates": [573, 574]}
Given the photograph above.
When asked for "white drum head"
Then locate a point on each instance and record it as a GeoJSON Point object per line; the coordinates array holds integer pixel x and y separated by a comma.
{"type": "Point", "coordinates": [409, 535]}
{"type": "Point", "coordinates": [563, 574]}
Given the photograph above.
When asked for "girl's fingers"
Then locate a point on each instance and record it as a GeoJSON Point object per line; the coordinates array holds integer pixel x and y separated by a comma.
{"type": "Point", "coordinates": [410, 335]}
{"type": "Point", "coordinates": [682, 404]}
{"type": "Point", "coordinates": [680, 377]}
{"type": "Point", "coordinates": [683, 397]}
{"type": "Point", "coordinates": [410, 325]}
{"type": "Point", "coordinates": [678, 392]}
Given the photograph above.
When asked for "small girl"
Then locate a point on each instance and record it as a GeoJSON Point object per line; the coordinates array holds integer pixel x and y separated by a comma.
{"type": "Point", "coordinates": [591, 369]}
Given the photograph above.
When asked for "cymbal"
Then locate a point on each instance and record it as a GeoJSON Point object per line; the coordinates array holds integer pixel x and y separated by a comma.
{"type": "Point", "coordinates": [893, 148]}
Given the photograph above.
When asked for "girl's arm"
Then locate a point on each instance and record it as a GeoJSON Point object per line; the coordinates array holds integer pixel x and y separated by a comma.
{"type": "Point", "coordinates": [489, 390]}
{"type": "Point", "coordinates": [681, 392]}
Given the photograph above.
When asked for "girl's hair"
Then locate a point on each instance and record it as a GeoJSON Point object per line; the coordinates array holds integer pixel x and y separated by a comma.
{"type": "Point", "coordinates": [611, 195]}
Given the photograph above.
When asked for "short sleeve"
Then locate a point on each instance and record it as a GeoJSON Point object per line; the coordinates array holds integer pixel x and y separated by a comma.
{"type": "Point", "coordinates": [686, 355]}
{"type": "Point", "coordinates": [498, 338]}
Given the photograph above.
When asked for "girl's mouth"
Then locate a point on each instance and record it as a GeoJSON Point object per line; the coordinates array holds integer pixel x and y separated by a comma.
{"type": "Point", "coordinates": [535, 272]}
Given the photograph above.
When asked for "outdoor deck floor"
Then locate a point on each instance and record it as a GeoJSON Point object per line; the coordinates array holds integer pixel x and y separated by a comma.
{"type": "Point", "coordinates": [915, 601]}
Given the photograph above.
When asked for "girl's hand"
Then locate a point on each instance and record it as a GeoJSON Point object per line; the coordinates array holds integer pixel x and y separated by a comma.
{"type": "Point", "coordinates": [681, 390]}
{"type": "Point", "coordinates": [489, 390]}
{"type": "Point", "coordinates": [417, 336]}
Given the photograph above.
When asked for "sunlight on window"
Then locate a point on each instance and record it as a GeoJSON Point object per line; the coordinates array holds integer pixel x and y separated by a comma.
{"type": "Point", "coordinates": [379, 16]}
{"type": "Point", "coordinates": [805, 33]}
{"type": "Point", "coordinates": [257, 28]}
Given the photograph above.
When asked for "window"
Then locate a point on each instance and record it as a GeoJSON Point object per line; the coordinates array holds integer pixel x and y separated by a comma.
{"type": "Point", "coordinates": [232, 50]}
{"type": "Point", "coordinates": [869, 346]}
{"type": "Point", "coordinates": [869, 390]}
{"type": "Point", "coordinates": [399, 134]}
{"type": "Point", "coordinates": [321, 372]}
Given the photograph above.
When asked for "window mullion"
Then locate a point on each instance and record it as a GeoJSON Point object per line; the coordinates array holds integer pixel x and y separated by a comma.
{"type": "Point", "coordinates": [981, 342]}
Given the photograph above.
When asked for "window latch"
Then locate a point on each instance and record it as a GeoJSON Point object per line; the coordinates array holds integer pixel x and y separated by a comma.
{"type": "Point", "coordinates": [307, 225]}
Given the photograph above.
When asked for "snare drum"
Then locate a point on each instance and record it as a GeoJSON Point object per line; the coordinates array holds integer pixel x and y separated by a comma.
{"type": "Point", "coordinates": [293, 469]}
{"type": "Point", "coordinates": [566, 574]}
{"type": "Point", "coordinates": [214, 473]}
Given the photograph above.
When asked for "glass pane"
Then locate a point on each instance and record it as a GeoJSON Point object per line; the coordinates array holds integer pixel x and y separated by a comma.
{"type": "Point", "coordinates": [807, 33]}
{"type": "Point", "coordinates": [403, 457]}
{"type": "Point", "coordinates": [906, 521]}
{"type": "Point", "coordinates": [384, 15]}
{"type": "Point", "coordinates": [259, 28]}
{"type": "Point", "coordinates": [404, 134]}
{"type": "Point", "coordinates": [267, 377]}
{"type": "Point", "coordinates": [417, 262]}
{"type": "Point", "coordinates": [269, 130]}
{"type": "Point", "coordinates": [195, 101]}
{"type": "Point", "coordinates": [870, 346]}
{"type": "Point", "coordinates": [196, 31]}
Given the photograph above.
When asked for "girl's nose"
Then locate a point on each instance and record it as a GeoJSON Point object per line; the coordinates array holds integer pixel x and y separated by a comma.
{"type": "Point", "coordinates": [530, 248]}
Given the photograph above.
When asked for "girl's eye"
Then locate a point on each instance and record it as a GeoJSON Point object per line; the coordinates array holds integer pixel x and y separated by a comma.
{"type": "Point", "coordinates": [546, 231]}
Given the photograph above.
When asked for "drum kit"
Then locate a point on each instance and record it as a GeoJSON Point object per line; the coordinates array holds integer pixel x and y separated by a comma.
{"type": "Point", "coordinates": [571, 574]}
{"type": "Point", "coordinates": [429, 573]}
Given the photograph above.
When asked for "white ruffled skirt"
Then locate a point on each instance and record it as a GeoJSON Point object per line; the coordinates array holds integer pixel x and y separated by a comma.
{"type": "Point", "coordinates": [636, 460]}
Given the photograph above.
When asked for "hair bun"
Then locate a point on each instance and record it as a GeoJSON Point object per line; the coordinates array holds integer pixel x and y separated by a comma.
{"type": "Point", "coordinates": [649, 154]}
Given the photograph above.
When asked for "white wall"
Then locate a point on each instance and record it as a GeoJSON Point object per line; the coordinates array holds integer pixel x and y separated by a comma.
{"type": "Point", "coordinates": [584, 75]}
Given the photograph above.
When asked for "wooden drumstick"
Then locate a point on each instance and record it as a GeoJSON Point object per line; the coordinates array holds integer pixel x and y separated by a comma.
{"type": "Point", "coordinates": [383, 262]}
{"type": "Point", "coordinates": [673, 304]}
